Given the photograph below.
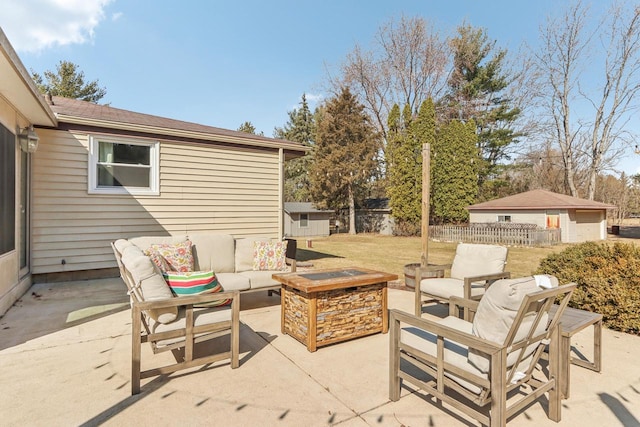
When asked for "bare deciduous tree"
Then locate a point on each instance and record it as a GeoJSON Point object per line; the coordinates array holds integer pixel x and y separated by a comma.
{"type": "Point", "coordinates": [409, 63]}
{"type": "Point", "coordinates": [590, 138]}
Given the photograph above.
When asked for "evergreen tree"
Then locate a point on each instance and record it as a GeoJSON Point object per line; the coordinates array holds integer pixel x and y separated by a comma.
{"type": "Point", "coordinates": [346, 149]}
{"type": "Point", "coordinates": [248, 127]}
{"type": "Point", "coordinates": [477, 91]}
{"type": "Point", "coordinates": [404, 164]}
{"type": "Point", "coordinates": [454, 171]}
{"type": "Point", "coordinates": [68, 81]}
{"type": "Point", "coordinates": [299, 128]}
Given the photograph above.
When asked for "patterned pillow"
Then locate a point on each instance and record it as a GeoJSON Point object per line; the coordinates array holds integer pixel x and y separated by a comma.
{"type": "Point", "coordinates": [269, 255]}
{"type": "Point", "coordinates": [185, 284]}
{"type": "Point", "coordinates": [158, 260]}
{"type": "Point", "coordinates": [177, 257]}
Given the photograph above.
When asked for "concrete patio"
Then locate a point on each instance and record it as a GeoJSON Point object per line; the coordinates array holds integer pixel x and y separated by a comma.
{"type": "Point", "coordinates": [65, 355]}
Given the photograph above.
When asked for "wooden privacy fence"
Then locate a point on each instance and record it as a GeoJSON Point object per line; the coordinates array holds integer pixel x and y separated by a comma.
{"type": "Point", "coordinates": [503, 234]}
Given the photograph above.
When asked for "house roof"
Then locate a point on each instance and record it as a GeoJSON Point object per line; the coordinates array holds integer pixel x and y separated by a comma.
{"type": "Point", "coordinates": [539, 199]}
{"type": "Point", "coordinates": [85, 113]}
{"type": "Point", "coordinates": [18, 88]}
{"type": "Point", "coordinates": [302, 207]}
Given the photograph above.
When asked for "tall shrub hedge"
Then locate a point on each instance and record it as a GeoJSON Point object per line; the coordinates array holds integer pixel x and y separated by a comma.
{"type": "Point", "coordinates": [608, 278]}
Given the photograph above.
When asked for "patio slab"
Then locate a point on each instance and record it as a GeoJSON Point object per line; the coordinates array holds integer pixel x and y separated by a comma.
{"type": "Point", "coordinates": [65, 357]}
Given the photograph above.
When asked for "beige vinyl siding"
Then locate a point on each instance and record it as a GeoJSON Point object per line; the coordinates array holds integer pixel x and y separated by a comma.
{"type": "Point", "coordinates": [203, 187]}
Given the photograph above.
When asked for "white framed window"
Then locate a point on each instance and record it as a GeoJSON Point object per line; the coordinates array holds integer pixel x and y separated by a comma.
{"type": "Point", "coordinates": [304, 220]}
{"type": "Point", "coordinates": [119, 165]}
{"type": "Point", "coordinates": [504, 218]}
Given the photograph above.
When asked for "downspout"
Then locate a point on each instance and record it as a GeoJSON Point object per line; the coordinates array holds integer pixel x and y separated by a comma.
{"type": "Point", "coordinates": [280, 194]}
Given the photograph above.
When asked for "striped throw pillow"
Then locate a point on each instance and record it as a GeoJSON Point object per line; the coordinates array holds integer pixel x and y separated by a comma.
{"type": "Point", "coordinates": [185, 284]}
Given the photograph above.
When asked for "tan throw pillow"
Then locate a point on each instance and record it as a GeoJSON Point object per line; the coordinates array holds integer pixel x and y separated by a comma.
{"type": "Point", "coordinates": [269, 255]}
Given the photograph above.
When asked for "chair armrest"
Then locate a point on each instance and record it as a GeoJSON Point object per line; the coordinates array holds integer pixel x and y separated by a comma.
{"type": "Point", "coordinates": [456, 303]}
{"type": "Point", "coordinates": [488, 278]}
{"type": "Point", "coordinates": [192, 300]}
{"type": "Point", "coordinates": [292, 263]}
{"type": "Point", "coordinates": [446, 332]}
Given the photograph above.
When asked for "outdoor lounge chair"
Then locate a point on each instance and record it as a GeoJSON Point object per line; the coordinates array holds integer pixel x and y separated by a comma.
{"type": "Point", "coordinates": [172, 323]}
{"type": "Point", "coordinates": [474, 268]}
{"type": "Point", "coordinates": [479, 367]}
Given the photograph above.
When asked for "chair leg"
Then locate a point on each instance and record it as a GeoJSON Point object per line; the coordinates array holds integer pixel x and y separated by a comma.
{"type": "Point", "coordinates": [394, 359]}
{"type": "Point", "coordinates": [498, 414]}
{"type": "Point", "coordinates": [136, 351]}
{"type": "Point", "coordinates": [418, 294]}
{"type": "Point", "coordinates": [555, 374]}
{"type": "Point", "coordinates": [235, 334]}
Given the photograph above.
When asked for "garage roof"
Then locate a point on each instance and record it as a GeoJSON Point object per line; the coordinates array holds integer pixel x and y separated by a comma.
{"type": "Point", "coordinates": [539, 199]}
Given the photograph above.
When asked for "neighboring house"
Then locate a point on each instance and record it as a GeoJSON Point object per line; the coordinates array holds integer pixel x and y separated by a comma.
{"type": "Point", "coordinates": [301, 219]}
{"type": "Point", "coordinates": [100, 173]}
{"type": "Point", "coordinates": [579, 219]}
{"type": "Point", "coordinates": [373, 217]}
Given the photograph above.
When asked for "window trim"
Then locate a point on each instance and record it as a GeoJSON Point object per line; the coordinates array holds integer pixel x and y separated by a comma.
{"type": "Point", "coordinates": [154, 160]}
{"type": "Point", "coordinates": [307, 220]}
{"type": "Point", "coordinates": [505, 218]}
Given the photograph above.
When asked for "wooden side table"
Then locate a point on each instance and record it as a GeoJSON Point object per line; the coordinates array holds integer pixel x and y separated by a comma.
{"type": "Point", "coordinates": [573, 321]}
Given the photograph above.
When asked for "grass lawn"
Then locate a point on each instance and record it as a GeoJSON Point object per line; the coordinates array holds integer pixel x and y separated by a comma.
{"type": "Point", "coordinates": [391, 253]}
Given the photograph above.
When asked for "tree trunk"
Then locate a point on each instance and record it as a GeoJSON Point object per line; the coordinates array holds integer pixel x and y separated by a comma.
{"type": "Point", "coordinates": [352, 212]}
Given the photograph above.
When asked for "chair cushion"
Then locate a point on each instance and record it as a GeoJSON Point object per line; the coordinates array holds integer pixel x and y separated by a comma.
{"type": "Point", "coordinates": [445, 287]}
{"type": "Point", "coordinates": [497, 311]}
{"type": "Point", "coordinates": [269, 255]}
{"type": "Point", "coordinates": [475, 260]}
{"type": "Point", "coordinates": [185, 284]}
{"type": "Point", "coordinates": [203, 316]}
{"type": "Point", "coordinates": [152, 285]}
{"type": "Point", "coordinates": [213, 252]}
{"type": "Point", "coordinates": [454, 353]}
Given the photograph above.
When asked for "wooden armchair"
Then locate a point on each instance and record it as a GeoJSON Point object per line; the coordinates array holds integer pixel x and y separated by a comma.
{"type": "Point", "coordinates": [474, 268]}
{"type": "Point", "coordinates": [474, 366]}
{"type": "Point", "coordinates": [173, 323]}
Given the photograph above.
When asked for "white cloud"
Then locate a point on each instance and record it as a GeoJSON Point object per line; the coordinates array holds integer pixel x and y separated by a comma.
{"type": "Point", "coordinates": [314, 97]}
{"type": "Point", "coordinates": [116, 16]}
{"type": "Point", "coordinates": [33, 25]}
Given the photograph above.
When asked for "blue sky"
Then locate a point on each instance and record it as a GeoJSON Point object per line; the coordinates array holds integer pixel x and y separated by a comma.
{"type": "Point", "coordinates": [222, 63]}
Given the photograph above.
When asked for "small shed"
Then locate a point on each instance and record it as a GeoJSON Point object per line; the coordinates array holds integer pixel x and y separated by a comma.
{"type": "Point", "coordinates": [578, 219]}
{"type": "Point", "coordinates": [302, 219]}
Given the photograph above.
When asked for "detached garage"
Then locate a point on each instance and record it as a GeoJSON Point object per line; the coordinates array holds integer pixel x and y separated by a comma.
{"type": "Point", "coordinates": [578, 219]}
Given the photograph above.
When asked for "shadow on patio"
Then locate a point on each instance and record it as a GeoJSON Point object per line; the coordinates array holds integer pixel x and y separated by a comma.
{"type": "Point", "coordinates": [75, 371]}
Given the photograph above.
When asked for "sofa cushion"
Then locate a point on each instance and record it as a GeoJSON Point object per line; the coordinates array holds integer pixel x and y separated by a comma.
{"type": "Point", "coordinates": [260, 279]}
{"type": "Point", "coordinates": [445, 287]}
{"type": "Point", "coordinates": [190, 283]}
{"type": "Point", "coordinates": [234, 281]}
{"type": "Point", "coordinates": [497, 311]}
{"type": "Point", "coordinates": [178, 256]}
{"type": "Point", "coordinates": [244, 252]}
{"type": "Point", "coordinates": [213, 252]}
{"type": "Point", "coordinates": [269, 255]}
{"type": "Point", "coordinates": [143, 242]}
{"type": "Point", "coordinates": [475, 260]}
{"type": "Point", "coordinates": [152, 284]}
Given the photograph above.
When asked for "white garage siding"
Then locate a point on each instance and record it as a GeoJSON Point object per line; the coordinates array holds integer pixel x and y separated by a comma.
{"type": "Point", "coordinates": [202, 188]}
{"type": "Point", "coordinates": [517, 216]}
{"type": "Point", "coordinates": [589, 225]}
